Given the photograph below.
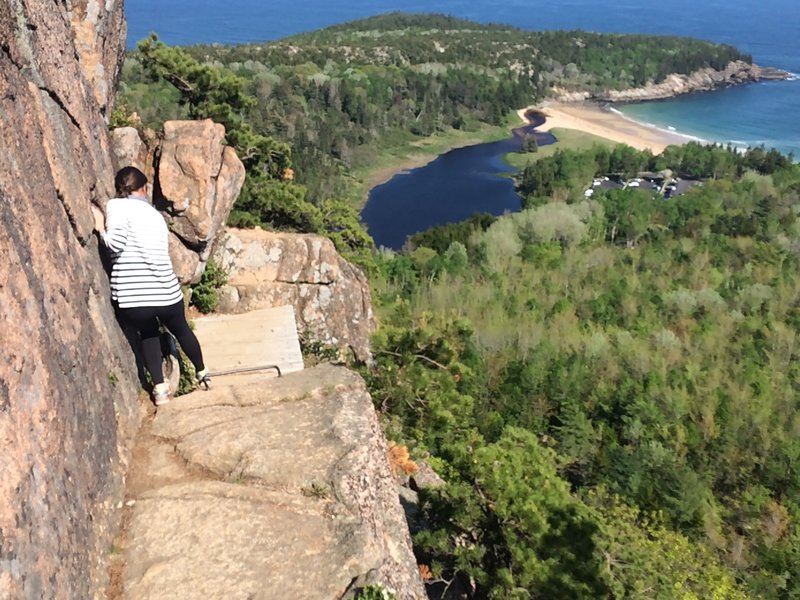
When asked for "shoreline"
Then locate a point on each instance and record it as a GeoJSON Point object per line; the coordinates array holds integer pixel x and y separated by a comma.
{"type": "Point", "coordinates": [588, 117]}
{"type": "Point", "coordinates": [384, 174]}
{"type": "Point", "coordinates": [417, 157]}
{"type": "Point", "coordinates": [605, 122]}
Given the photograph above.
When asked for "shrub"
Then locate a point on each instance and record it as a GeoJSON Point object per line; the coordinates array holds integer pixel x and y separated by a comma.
{"type": "Point", "coordinates": [374, 592]}
{"type": "Point", "coordinates": [205, 295]}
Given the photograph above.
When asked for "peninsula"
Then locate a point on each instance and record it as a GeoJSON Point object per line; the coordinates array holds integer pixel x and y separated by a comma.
{"type": "Point", "coordinates": [360, 101]}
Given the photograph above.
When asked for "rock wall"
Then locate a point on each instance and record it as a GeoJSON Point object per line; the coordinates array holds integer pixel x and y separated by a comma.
{"type": "Point", "coordinates": [99, 35]}
{"type": "Point", "coordinates": [68, 388]}
{"type": "Point", "coordinates": [195, 180]}
{"type": "Point", "coordinates": [331, 297]}
{"type": "Point", "coordinates": [703, 80]}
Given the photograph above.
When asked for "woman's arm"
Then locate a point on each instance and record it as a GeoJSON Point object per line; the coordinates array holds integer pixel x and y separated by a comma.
{"type": "Point", "coordinates": [99, 219]}
{"type": "Point", "coordinates": [114, 233]}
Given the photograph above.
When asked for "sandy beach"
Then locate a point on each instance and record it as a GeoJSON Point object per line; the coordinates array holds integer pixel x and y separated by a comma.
{"type": "Point", "coordinates": [604, 123]}
{"type": "Point", "coordinates": [589, 118]}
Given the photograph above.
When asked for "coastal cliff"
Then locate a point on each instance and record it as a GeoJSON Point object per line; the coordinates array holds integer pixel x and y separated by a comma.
{"type": "Point", "coordinates": [71, 404]}
{"type": "Point", "coordinates": [702, 80]}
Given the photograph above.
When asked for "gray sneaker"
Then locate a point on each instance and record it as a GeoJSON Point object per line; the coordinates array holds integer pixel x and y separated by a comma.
{"type": "Point", "coordinates": [204, 378]}
{"type": "Point", "coordinates": [161, 394]}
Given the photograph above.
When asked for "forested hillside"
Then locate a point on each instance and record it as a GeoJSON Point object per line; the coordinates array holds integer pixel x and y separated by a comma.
{"type": "Point", "coordinates": [343, 95]}
{"type": "Point", "coordinates": [609, 385]}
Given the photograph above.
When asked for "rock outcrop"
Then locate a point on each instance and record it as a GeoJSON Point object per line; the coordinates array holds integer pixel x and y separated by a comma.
{"type": "Point", "coordinates": [131, 150]}
{"type": "Point", "coordinates": [331, 297]}
{"type": "Point", "coordinates": [68, 388]}
{"type": "Point", "coordinates": [196, 179]}
{"type": "Point", "coordinates": [272, 488]}
{"type": "Point", "coordinates": [703, 80]}
{"type": "Point", "coordinates": [99, 36]}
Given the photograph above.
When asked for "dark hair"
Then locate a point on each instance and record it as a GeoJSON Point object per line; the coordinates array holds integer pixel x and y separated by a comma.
{"type": "Point", "coordinates": [129, 179]}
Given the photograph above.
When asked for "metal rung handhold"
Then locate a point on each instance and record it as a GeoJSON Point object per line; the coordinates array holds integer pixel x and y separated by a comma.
{"type": "Point", "coordinates": [238, 370]}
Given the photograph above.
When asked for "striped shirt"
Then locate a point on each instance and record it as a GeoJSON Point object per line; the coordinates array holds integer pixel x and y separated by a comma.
{"type": "Point", "coordinates": [137, 237]}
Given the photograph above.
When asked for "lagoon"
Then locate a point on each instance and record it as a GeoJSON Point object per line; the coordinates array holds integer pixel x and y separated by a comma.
{"type": "Point", "coordinates": [449, 189]}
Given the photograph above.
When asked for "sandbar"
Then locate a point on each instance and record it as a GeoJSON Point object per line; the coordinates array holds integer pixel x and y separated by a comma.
{"type": "Point", "coordinates": [605, 123]}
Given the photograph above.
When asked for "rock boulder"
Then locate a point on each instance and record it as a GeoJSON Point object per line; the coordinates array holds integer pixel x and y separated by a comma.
{"type": "Point", "coordinates": [130, 150]}
{"type": "Point", "coordinates": [331, 297]}
{"type": "Point", "coordinates": [196, 179]}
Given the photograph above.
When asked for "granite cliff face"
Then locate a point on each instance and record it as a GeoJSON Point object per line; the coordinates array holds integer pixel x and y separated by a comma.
{"type": "Point", "coordinates": [99, 36]}
{"type": "Point", "coordinates": [70, 401]}
{"type": "Point", "coordinates": [68, 391]}
{"type": "Point", "coordinates": [69, 396]}
{"type": "Point", "coordinates": [704, 80]}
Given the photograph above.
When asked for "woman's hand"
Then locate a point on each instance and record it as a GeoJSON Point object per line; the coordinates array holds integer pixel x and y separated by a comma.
{"type": "Point", "coordinates": [99, 219]}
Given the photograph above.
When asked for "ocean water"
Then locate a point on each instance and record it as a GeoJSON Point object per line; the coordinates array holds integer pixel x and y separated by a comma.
{"type": "Point", "coordinates": [765, 113]}
{"type": "Point", "coordinates": [465, 180]}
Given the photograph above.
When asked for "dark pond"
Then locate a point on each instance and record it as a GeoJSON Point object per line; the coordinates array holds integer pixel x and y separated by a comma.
{"type": "Point", "coordinates": [449, 189]}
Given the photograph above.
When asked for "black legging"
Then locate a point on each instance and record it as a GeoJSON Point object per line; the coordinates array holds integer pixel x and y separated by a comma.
{"type": "Point", "coordinates": [146, 319]}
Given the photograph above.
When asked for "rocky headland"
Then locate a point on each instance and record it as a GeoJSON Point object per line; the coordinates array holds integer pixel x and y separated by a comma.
{"type": "Point", "coordinates": [703, 80]}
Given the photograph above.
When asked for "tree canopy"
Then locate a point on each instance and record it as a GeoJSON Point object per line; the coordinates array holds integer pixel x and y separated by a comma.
{"type": "Point", "coordinates": [613, 419]}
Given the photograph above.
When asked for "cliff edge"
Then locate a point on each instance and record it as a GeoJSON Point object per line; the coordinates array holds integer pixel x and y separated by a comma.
{"type": "Point", "coordinates": [269, 488]}
{"type": "Point", "coordinates": [298, 481]}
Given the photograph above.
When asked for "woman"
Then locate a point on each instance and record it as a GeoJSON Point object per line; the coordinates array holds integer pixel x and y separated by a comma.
{"type": "Point", "coordinates": [143, 283]}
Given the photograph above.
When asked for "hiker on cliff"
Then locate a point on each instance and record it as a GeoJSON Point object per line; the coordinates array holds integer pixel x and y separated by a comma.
{"type": "Point", "coordinates": [144, 286]}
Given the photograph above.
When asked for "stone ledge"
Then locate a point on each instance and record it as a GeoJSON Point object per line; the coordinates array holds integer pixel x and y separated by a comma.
{"type": "Point", "coordinates": [273, 488]}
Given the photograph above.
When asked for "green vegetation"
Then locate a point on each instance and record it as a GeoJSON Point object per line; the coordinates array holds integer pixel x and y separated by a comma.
{"type": "Point", "coordinates": [187, 382]}
{"type": "Point", "coordinates": [112, 379]}
{"type": "Point", "coordinates": [315, 352]}
{"type": "Point", "coordinates": [567, 139]}
{"type": "Point", "coordinates": [565, 174]}
{"type": "Point", "coordinates": [317, 489]}
{"type": "Point", "coordinates": [205, 295]}
{"type": "Point", "coordinates": [343, 96]}
{"type": "Point", "coordinates": [374, 592]}
{"type": "Point", "coordinates": [270, 196]}
{"type": "Point", "coordinates": [441, 238]}
{"type": "Point", "coordinates": [609, 386]}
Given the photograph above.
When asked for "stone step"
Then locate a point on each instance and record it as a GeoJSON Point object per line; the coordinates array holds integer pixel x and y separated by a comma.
{"type": "Point", "coordinates": [253, 339]}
